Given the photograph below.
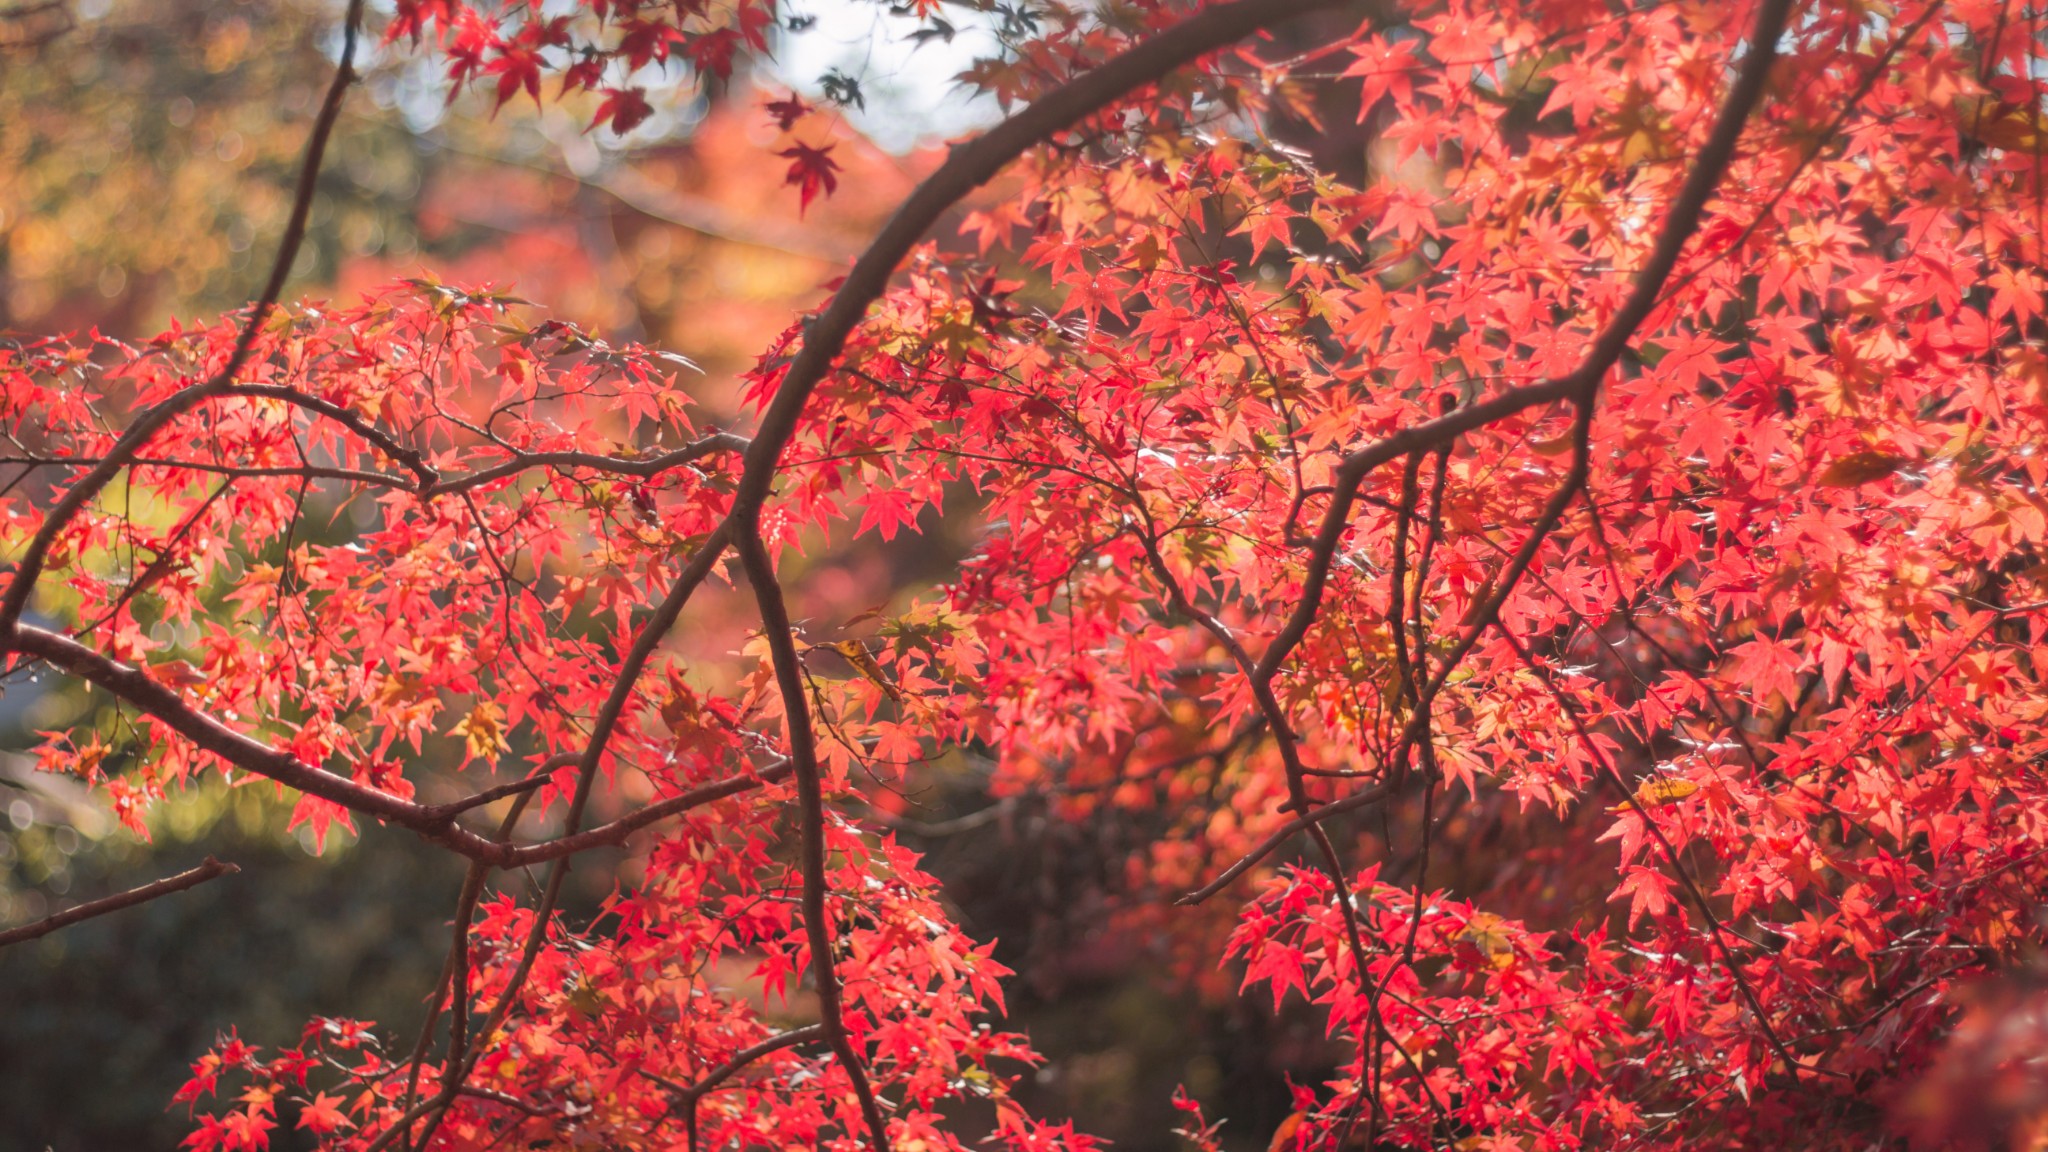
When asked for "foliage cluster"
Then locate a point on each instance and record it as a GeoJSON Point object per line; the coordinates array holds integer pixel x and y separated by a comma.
{"type": "Point", "coordinates": [1649, 444]}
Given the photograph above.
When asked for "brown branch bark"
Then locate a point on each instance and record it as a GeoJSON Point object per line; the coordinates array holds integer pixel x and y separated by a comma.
{"type": "Point", "coordinates": [209, 735]}
{"type": "Point", "coordinates": [687, 1095]}
{"type": "Point", "coordinates": [433, 822]}
{"type": "Point", "coordinates": [384, 441]}
{"type": "Point", "coordinates": [115, 903]}
{"type": "Point", "coordinates": [427, 482]}
{"type": "Point", "coordinates": [803, 758]}
{"type": "Point", "coordinates": [969, 167]}
{"type": "Point", "coordinates": [646, 468]}
{"type": "Point", "coordinates": [453, 984]}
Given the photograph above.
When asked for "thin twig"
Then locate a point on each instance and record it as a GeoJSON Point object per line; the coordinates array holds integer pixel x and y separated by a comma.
{"type": "Point", "coordinates": [687, 1095]}
{"type": "Point", "coordinates": [1671, 857]}
{"type": "Point", "coordinates": [129, 899]}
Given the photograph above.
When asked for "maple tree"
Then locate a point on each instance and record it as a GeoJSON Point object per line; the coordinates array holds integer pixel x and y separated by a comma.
{"type": "Point", "coordinates": [1647, 447]}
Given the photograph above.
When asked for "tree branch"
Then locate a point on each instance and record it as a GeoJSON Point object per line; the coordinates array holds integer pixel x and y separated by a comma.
{"type": "Point", "coordinates": [427, 481]}
{"type": "Point", "coordinates": [208, 734]}
{"type": "Point", "coordinates": [969, 166]}
{"type": "Point", "coordinates": [129, 899]}
{"type": "Point", "coordinates": [646, 468]}
{"type": "Point", "coordinates": [1679, 224]}
{"type": "Point", "coordinates": [383, 440]}
{"type": "Point", "coordinates": [433, 822]}
{"type": "Point", "coordinates": [1581, 387]}
{"type": "Point", "coordinates": [803, 758]}
{"type": "Point", "coordinates": [687, 1095]}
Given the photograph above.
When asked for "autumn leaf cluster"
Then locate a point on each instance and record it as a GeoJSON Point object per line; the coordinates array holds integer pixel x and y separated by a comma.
{"type": "Point", "coordinates": [1647, 451]}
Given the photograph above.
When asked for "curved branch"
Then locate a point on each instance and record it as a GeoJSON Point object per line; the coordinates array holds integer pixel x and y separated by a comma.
{"type": "Point", "coordinates": [687, 1095]}
{"type": "Point", "coordinates": [710, 1081]}
{"type": "Point", "coordinates": [1679, 224]}
{"type": "Point", "coordinates": [1581, 387]}
{"type": "Point", "coordinates": [409, 457]}
{"type": "Point", "coordinates": [968, 167]}
{"type": "Point", "coordinates": [803, 758]}
{"type": "Point", "coordinates": [129, 899]}
{"type": "Point", "coordinates": [134, 686]}
{"type": "Point", "coordinates": [233, 471]}
{"type": "Point", "coordinates": [616, 832]}
{"type": "Point", "coordinates": [652, 633]}
{"type": "Point", "coordinates": [434, 822]}
{"type": "Point", "coordinates": [428, 481]}
{"type": "Point", "coordinates": [534, 779]}
{"type": "Point", "coordinates": [646, 468]}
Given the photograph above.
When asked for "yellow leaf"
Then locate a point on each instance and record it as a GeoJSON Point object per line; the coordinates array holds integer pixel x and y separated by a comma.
{"type": "Point", "coordinates": [482, 731]}
{"type": "Point", "coordinates": [1999, 124]}
{"type": "Point", "coordinates": [1660, 791]}
{"type": "Point", "coordinates": [856, 654]}
{"type": "Point", "coordinates": [1639, 146]}
{"type": "Point", "coordinates": [1484, 933]}
{"type": "Point", "coordinates": [586, 999]}
{"type": "Point", "coordinates": [1860, 468]}
{"type": "Point", "coordinates": [2030, 365]}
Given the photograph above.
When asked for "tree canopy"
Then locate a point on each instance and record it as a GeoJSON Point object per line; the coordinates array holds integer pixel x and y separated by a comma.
{"type": "Point", "coordinates": [1629, 431]}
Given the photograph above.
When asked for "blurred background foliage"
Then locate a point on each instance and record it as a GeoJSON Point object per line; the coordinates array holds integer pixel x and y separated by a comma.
{"type": "Point", "coordinates": [150, 153]}
{"type": "Point", "coordinates": [147, 154]}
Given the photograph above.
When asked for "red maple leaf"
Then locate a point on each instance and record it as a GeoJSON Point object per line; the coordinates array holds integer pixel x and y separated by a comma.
{"type": "Point", "coordinates": [323, 1114]}
{"type": "Point", "coordinates": [788, 110]}
{"type": "Point", "coordinates": [626, 108]}
{"type": "Point", "coordinates": [811, 169]}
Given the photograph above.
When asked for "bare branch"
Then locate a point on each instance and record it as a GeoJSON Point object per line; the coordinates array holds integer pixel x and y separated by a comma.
{"type": "Point", "coordinates": [427, 481]}
{"type": "Point", "coordinates": [616, 831]}
{"type": "Point", "coordinates": [740, 1061]}
{"type": "Point", "coordinates": [129, 899]}
{"type": "Point", "coordinates": [355, 423]}
{"type": "Point", "coordinates": [646, 468]}
{"type": "Point", "coordinates": [539, 776]}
